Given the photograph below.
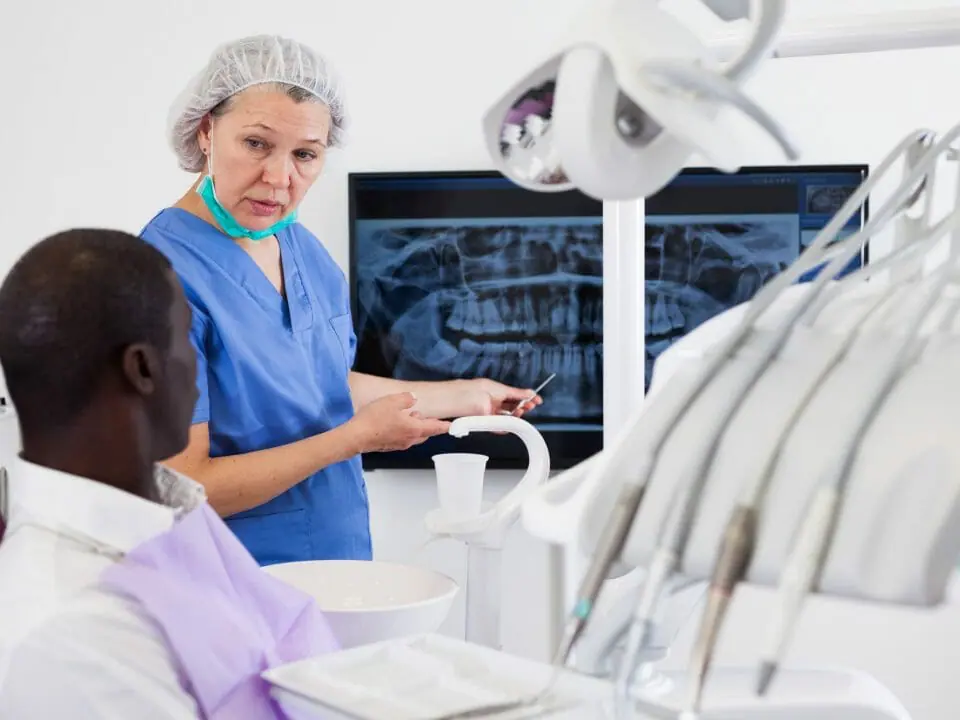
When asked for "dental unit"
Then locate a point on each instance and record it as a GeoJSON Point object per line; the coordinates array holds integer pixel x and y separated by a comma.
{"type": "Point", "coordinates": [745, 358]}
{"type": "Point", "coordinates": [805, 440]}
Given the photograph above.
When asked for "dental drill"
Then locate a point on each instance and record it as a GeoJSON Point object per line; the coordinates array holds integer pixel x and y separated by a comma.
{"type": "Point", "coordinates": [739, 536]}
{"type": "Point", "coordinates": [674, 531]}
{"type": "Point", "coordinates": [806, 561]}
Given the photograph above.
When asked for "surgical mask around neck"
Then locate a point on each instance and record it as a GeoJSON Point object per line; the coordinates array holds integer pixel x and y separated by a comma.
{"type": "Point", "coordinates": [208, 193]}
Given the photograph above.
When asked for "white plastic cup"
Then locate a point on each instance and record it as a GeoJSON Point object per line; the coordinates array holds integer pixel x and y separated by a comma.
{"type": "Point", "coordinates": [460, 484]}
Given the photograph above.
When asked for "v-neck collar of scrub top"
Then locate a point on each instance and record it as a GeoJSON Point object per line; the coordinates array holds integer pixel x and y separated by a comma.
{"type": "Point", "coordinates": [236, 263]}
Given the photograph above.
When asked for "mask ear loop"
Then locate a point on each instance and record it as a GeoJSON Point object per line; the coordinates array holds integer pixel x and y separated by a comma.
{"type": "Point", "coordinates": [209, 173]}
{"type": "Point", "coordinates": [209, 154]}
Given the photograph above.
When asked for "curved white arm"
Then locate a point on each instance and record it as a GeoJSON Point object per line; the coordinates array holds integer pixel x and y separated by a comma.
{"type": "Point", "coordinates": [490, 527]}
{"type": "Point", "coordinates": [538, 469]}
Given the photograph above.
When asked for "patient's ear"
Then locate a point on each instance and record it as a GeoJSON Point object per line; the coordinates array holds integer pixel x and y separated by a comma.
{"type": "Point", "coordinates": [141, 367]}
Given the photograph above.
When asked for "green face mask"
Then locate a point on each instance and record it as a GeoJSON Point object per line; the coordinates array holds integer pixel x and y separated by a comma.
{"type": "Point", "coordinates": [228, 222]}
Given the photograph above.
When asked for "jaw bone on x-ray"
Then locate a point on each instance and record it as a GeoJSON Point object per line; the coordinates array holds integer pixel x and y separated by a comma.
{"type": "Point", "coordinates": [698, 266]}
{"type": "Point", "coordinates": [509, 299]}
{"type": "Point", "coordinates": [717, 239]}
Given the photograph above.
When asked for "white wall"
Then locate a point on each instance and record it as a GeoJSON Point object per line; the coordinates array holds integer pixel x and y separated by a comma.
{"type": "Point", "coordinates": [83, 109]}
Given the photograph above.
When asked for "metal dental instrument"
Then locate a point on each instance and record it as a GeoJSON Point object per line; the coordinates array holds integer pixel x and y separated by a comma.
{"type": "Point", "coordinates": [609, 548]}
{"type": "Point", "coordinates": [801, 573]}
{"type": "Point", "coordinates": [676, 526]}
{"type": "Point", "coordinates": [536, 392]}
{"type": "Point", "coordinates": [649, 709]}
{"type": "Point", "coordinates": [806, 561]}
{"type": "Point", "coordinates": [739, 537]}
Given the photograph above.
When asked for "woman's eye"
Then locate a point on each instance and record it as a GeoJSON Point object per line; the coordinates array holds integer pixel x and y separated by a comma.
{"type": "Point", "coordinates": [306, 155]}
{"type": "Point", "coordinates": [255, 144]}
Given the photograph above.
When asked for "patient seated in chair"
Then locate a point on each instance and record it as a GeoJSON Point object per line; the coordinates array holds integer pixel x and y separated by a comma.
{"type": "Point", "coordinates": [122, 594]}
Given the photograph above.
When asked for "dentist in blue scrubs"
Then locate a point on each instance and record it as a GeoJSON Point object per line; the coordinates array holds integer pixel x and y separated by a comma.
{"type": "Point", "coordinates": [281, 418]}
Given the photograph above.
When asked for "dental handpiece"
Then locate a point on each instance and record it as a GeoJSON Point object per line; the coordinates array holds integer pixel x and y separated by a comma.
{"type": "Point", "coordinates": [806, 561]}
{"type": "Point", "coordinates": [660, 570]}
{"type": "Point", "coordinates": [608, 550]}
{"type": "Point", "coordinates": [668, 553]}
{"type": "Point", "coordinates": [734, 558]}
{"type": "Point", "coordinates": [740, 535]}
{"type": "Point", "coordinates": [678, 524]}
{"type": "Point", "coordinates": [674, 534]}
{"type": "Point", "coordinates": [671, 548]}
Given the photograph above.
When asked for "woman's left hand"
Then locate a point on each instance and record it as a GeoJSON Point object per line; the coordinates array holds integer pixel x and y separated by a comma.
{"type": "Point", "coordinates": [489, 397]}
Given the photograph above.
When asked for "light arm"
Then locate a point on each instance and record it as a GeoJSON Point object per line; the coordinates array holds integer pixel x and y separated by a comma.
{"type": "Point", "coordinates": [235, 483]}
{"type": "Point", "coordinates": [444, 399]}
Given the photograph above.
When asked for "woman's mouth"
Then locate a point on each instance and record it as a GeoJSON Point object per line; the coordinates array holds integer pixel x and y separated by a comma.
{"type": "Point", "coordinates": [263, 208]}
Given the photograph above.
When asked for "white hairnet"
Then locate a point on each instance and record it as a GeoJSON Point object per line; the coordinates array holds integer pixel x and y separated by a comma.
{"type": "Point", "coordinates": [241, 64]}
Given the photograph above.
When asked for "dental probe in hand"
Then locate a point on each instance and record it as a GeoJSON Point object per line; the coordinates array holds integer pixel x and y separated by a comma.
{"type": "Point", "coordinates": [536, 392]}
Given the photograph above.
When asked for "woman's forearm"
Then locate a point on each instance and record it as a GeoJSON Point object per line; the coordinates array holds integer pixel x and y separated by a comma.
{"type": "Point", "coordinates": [434, 399]}
{"type": "Point", "coordinates": [240, 482]}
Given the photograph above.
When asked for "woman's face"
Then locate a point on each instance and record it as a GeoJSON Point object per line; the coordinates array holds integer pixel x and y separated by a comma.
{"type": "Point", "coordinates": [267, 150]}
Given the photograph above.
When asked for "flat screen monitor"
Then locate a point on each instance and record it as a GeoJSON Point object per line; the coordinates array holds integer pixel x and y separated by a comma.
{"type": "Point", "coordinates": [462, 275]}
{"type": "Point", "coordinates": [713, 239]}
{"type": "Point", "coordinates": [465, 274]}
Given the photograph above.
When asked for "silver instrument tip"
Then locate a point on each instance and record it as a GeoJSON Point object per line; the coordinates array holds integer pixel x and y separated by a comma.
{"type": "Point", "coordinates": [767, 670]}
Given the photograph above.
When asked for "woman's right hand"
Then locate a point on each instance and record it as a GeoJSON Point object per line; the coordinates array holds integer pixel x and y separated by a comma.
{"type": "Point", "coordinates": [391, 423]}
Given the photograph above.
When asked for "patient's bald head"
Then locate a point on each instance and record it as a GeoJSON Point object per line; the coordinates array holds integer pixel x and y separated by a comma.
{"type": "Point", "coordinates": [94, 328]}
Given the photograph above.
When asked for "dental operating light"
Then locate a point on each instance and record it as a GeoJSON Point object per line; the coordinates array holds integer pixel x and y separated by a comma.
{"type": "Point", "coordinates": [628, 97]}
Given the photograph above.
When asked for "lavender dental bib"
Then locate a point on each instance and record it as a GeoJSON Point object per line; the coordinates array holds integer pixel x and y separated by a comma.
{"type": "Point", "coordinates": [223, 617]}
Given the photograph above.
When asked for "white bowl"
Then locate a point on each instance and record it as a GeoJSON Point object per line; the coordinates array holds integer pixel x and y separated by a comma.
{"type": "Point", "coordinates": [369, 601]}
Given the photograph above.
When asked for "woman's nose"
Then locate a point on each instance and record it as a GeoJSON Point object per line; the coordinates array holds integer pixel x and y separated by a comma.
{"type": "Point", "coordinates": [277, 171]}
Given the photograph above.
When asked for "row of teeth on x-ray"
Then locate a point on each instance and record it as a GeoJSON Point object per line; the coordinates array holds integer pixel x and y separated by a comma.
{"type": "Point", "coordinates": [562, 318]}
{"type": "Point", "coordinates": [575, 393]}
{"type": "Point", "coordinates": [521, 335]}
{"type": "Point", "coordinates": [697, 270]}
{"type": "Point", "coordinates": [559, 314]}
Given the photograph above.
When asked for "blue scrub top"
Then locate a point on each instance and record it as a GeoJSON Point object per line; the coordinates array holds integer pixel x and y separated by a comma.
{"type": "Point", "coordinates": [272, 371]}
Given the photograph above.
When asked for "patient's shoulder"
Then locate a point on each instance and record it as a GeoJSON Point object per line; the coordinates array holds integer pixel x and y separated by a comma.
{"type": "Point", "coordinates": [101, 656]}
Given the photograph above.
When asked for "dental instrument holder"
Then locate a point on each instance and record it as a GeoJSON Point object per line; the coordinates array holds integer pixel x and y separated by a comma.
{"type": "Point", "coordinates": [484, 535]}
{"type": "Point", "coordinates": [899, 529]}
